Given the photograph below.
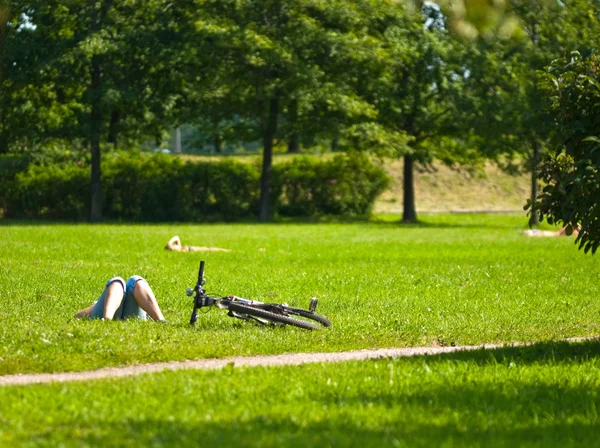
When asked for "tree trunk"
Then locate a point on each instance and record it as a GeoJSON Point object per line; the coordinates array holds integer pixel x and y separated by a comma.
{"type": "Point", "coordinates": [97, 16]}
{"type": "Point", "coordinates": [409, 210]}
{"type": "Point", "coordinates": [3, 139]}
{"type": "Point", "coordinates": [95, 130]}
{"type": "Point", "coordinates": [177, 141]}
{"type": "Point", "coordinates": [218, 141]}
{"type": "Point", "coordinates": [293, 144]}
{"type": "Point", "coordinates": [4, 18]}
{"type": "Point", "coordinates": [335, 142]}
{"type": "Point", "coordinates": [264, 214]}
{"type": "Point", "coordinates": [535, 162]}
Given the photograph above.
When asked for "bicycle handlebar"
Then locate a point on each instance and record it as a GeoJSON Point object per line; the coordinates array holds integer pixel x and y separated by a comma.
{"type": "Point", "coordinates": [199, 292]}
{"type": "Point", "coordinates": [201, 274]}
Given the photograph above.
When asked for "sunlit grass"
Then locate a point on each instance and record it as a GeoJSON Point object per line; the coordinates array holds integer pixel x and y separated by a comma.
{"type": "Point", "coordinates": [455, 279]}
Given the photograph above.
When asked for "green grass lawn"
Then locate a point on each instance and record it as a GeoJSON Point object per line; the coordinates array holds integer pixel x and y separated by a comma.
{"type": "Point", "coordinates": [540, 396]}
{"type": "Point", "coordinates": [454, 279]}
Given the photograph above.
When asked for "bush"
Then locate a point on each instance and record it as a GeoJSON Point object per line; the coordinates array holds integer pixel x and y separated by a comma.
{"type": "Point", "coordinates": [49, 192]}
{"type": "Point", "coordinates": [235, 189]}
{"type": "Point", "coordinates": [159, 187]}
{"type": "Point", "coordinates": [345, 185]}
{"type": "Point", "coordinates": [10, 166]}
{"type": "Point", "coordinates": [142, 187]}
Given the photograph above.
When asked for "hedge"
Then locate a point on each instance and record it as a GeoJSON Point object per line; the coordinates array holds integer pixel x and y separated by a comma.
{"type": "Point", "coordinates": [10, 166]}
{"type": "Point", "coordinates": [161, 188]}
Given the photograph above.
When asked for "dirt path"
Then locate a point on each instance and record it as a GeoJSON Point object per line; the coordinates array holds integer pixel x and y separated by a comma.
{"type": "Point", "coordinates": [251, 361]}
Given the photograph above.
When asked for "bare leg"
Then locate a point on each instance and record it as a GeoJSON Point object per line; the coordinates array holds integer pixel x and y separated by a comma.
{"type": "Point", "coordinates": [113, 297]}
{"type": "Point", "coordinates": [143, 295]}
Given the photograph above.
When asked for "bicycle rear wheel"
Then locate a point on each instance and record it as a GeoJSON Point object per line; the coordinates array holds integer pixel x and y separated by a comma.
{"type": "Point", "coordinates": [310, 315]}
{"type": "Point", "coordinates": [272, 317]}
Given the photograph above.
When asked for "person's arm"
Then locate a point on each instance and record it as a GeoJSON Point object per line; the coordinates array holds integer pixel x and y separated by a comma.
{"type": "Point", "coordinates": [84, 313]}
{"type": "Point", "coordinates": [174, 244]}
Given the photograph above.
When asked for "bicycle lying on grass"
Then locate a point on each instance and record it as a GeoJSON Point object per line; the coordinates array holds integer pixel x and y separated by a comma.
{"type": "Point", "coordinates": [264, 313]}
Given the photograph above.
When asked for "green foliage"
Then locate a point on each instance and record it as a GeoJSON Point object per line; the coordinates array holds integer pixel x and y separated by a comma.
{"type": "Point", "coordinates": [237, 192]}
{"type": "Point", "coordinates": [10, 166]}
{"type": "Point", "coordinates": [508, 111]}
{"type": "Point", "coordinates": [49, 192]}
{"type": "Point", "coordinates": [158, 187]}
{"type": "Point", "coordinates": [424, 84]}
{"type": "Point", "coordinates": [57, 152]}
{"type": "Point", "coordinates": [344, 185]}
{"type": "Point", "coordinates": [571, 170]}
{"type": "Point", "coordinates": [142, 188]}
{"type": "Point", "coordinates": [292, 67]}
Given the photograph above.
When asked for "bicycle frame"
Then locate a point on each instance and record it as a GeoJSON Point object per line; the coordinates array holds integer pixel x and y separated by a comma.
{"type": "Point", "coordinates": [264, 313]}
{"type": "Point", "coordinates": [202, 300]}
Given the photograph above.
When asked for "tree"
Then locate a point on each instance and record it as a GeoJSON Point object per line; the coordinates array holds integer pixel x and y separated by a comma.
{"type": "Point", "coordinates": [306, 58]}
{"type": "Point", "coordinates": [570, 171]}
{"type": "Point", "coordinates": [111, 61]}
{"type": "Point", "coordinates": [422, 93]}
{"type": "Point", "coordinates": [511, 123]}
{"type": "Point", "coordinates": [33, 104]}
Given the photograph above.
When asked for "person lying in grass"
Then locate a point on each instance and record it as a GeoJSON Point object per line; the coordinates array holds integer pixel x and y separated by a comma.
{"type": "Point", "coordinates": [561, 232]}
{"type": "Point", "coordinates": [123, 300]}
{"type": "Point", "coordinates": [175, 244]}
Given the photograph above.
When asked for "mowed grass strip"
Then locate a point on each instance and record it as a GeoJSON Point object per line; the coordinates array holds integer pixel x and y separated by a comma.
{"type": "Point", "coordinates": [544, 395]}
{"type": "Point", "coordinates": [454, 279]}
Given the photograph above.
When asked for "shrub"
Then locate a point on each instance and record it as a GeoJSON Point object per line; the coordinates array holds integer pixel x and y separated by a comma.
{"type": "Point", "coordinates": [235, 189]}
{"type": "Point", "coordinates": [50, 192]}
{"type": "Point", "coordinates": [345, 185]}
{"type": "Point", "coordinates": [142, 187]}
{"type": "Point", "coordinates": [158, 187]}
{"type": "Point", "coordinates": [10, 166]}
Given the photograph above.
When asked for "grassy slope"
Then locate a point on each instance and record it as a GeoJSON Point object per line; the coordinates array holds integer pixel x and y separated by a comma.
{"type": "Point", "coordinates": [440, 191]}
{"type": "Point", "coordinates": [454, 279]}
{"type": "Point", "coordinates": [449, 190]}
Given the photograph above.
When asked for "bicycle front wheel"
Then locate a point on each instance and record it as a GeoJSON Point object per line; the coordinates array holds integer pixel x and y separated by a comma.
{"type": "Point", "coordinates": [272, 317]}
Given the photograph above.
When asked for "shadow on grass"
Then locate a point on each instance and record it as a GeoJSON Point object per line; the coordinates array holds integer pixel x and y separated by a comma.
{"type": "Point", "coordinates": [261, 433]}
{"type": "Point", "coordinates": [539, 416]}
{"type": "Point", "coordinates": [551, 352]}
{"type": "Point", "coordinates": [390, 222]}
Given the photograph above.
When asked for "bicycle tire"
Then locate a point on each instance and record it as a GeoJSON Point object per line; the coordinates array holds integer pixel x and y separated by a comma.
{"type": "Point", "coordinates": [273, 317]}
{"type": "Point", "coordinates": [310, 315]}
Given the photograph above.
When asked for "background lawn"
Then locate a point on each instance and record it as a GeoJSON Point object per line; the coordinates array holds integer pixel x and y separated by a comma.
{"type": "Point", "coordinates": [462, 279]}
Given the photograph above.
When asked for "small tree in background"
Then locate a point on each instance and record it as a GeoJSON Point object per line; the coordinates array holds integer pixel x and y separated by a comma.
{"type": "Point", "coordinates": [422, 94]}
{"type": "Point", "coordinates": [572, 168]}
